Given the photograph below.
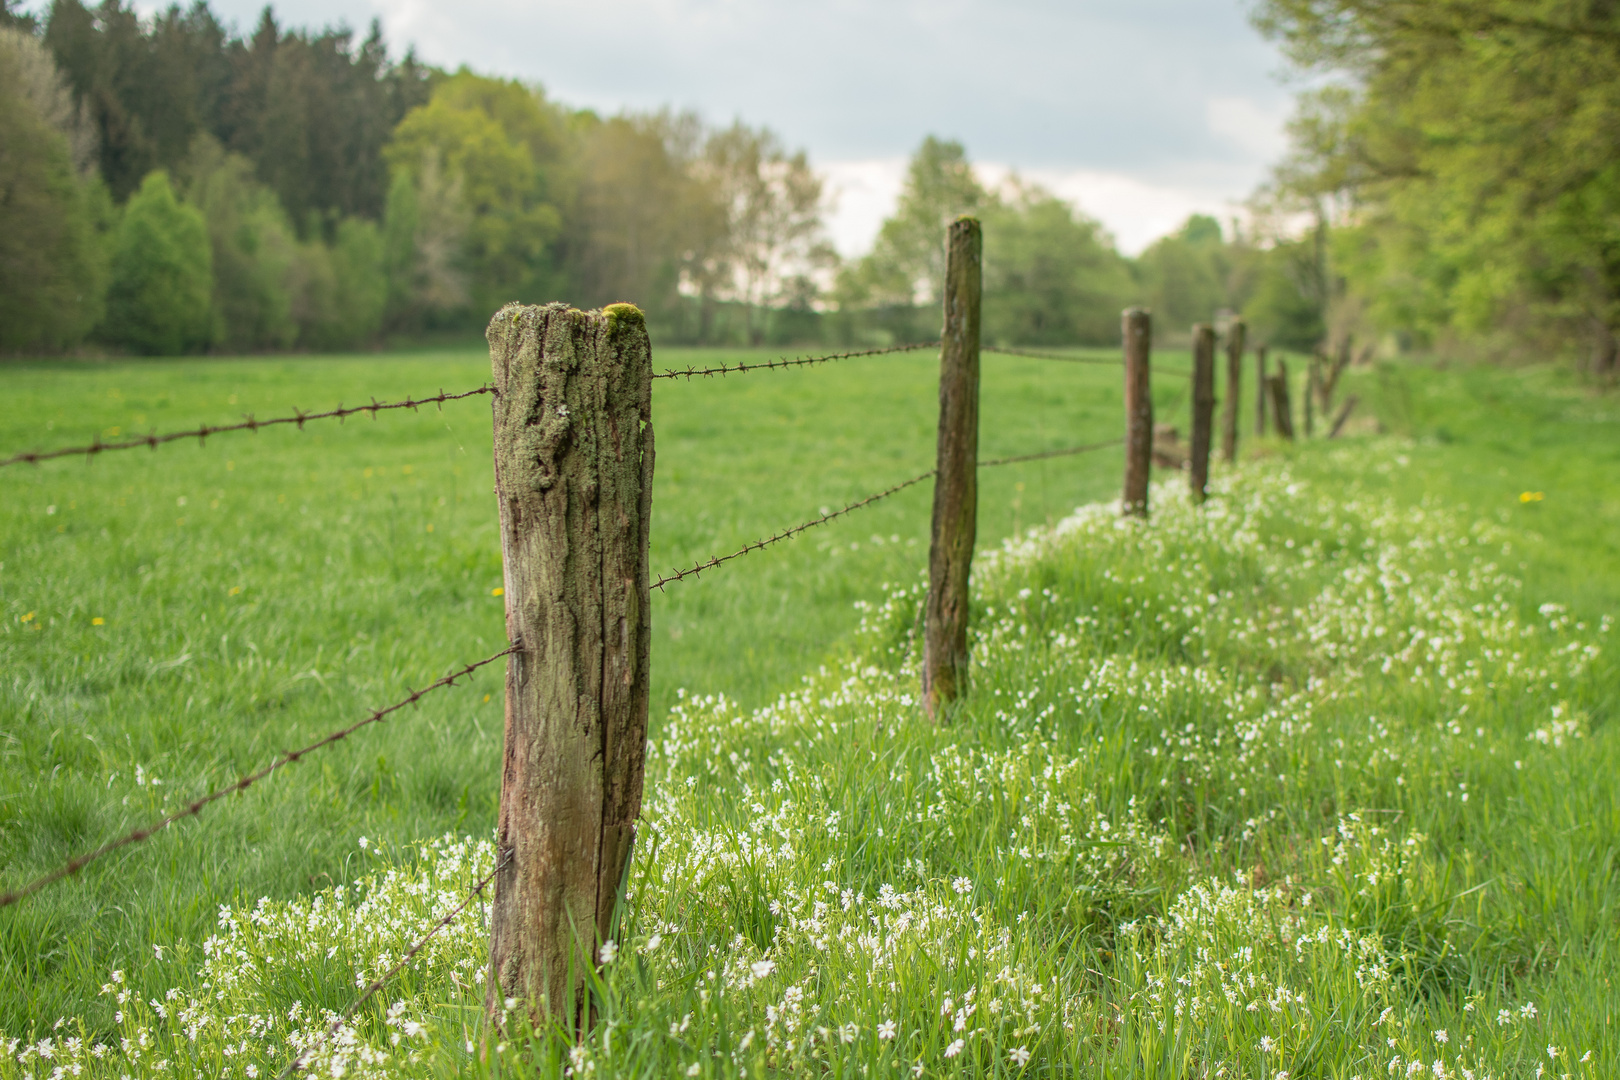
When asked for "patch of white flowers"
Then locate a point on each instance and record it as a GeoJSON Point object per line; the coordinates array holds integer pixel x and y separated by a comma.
{"type": "Point", "coordinates": [829, 881]}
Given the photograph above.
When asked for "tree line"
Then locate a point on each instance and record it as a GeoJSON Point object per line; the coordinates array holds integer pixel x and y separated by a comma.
{"type": "Point", "coordinates": [172, 186]}
{"type": "Point", "coordinates": [1459, 163]}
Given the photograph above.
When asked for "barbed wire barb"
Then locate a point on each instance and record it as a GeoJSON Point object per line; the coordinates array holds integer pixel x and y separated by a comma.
{"type": "Point", "coordinates": [192, 809]}
{"type": "Point", "coordinates": [771, 365]}
{"type": "Point", "coordinates": [250, 423]}
{"type": "Point", "coordinates": [301, 1059]}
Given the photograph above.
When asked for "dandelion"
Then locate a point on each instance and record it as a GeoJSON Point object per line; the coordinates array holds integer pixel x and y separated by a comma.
{"type": "Point", "coordinates": [608, 953]}
{"type": "Point", "coordinates": [98, 621]}
{"type": "Point", "coordinates": [955, 1048]}
{"type": "Point", "coordinates": [497, 591]}
{"type": "Point", "coordinates": [886, 1030]}
{"type": "Point", "coordinates": [1020, 1056]}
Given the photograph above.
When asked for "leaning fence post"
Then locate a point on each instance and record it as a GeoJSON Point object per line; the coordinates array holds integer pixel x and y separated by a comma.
{"type": "Point", "coordinates": [1203, 409]}
{"type": "Point", "coordinates": [573, 477]}
{"type": "Point", "coordinates": [1261, 389]}
{"type": "Point", "coordinates": [1282, 413]}
{"type": "Point", "coordinates": [1137, 326]}
{"type": "Point", "coordinates": [1235, 334]}
{"type": "Point", "coordinates": [956, 486]}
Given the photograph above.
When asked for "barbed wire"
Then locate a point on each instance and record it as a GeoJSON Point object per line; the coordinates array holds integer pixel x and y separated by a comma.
{"type": "Point", "coordinates": [1051, 454]}
{"type": "Point", "coordinates": [771, 365]}
{"type": "Point", "coordinates": [299, 417]}
{"type": "Point", "coordinates": [192, 809]}
{"type": "Point", "coordinates": [698, 568]}
{"type": "Point", "coordinates": [1097, 360]}
{"type": "Point", "coordinates": [695, 570]}
{"type": "Point", "coordinates": [301, 1060]}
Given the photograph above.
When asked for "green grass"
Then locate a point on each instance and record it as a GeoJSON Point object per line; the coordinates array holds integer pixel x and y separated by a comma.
{"type": "Point", "coordinates": [299, 585]}
{"type": "Point", "coordinates": [1320, 747]}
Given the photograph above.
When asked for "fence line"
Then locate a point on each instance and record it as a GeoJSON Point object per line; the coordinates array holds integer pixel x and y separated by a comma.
{"type": "Point", "coordinates": [301, 1060]}
{"type": "Point", "coordinates": [698, 568]}
{"type": "Point", "coordinates": [74, 865]}
{"type": "Point", "coordinates": [1097, 360]}
{"type": "Point", "coordinates": [773, 365]}
{"type": "Point", "coordinates": [154, 440]}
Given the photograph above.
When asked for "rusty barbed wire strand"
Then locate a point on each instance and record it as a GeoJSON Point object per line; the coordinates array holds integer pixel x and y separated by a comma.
{"type": "Point", "coordinates": [73, 866]}
{"type": "Point", "coordinates": [299, 417]}
{"type": "Point", "coordinates": [1097, 360]}
{"type": "Point", "coordinates": [769, 365]}
{"type": "Point", "coordinates": [695, 570]}
{"type": "Point", "coordinates": [301, 1060]}
{"type": "Point", "coordinates": [698, 568]}
{"type": "Point", "coordinates": [1051, 454]}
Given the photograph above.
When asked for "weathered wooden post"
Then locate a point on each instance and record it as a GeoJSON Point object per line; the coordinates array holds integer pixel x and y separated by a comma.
{"type": "Point", "coordinates": [1203, 409]}
{"type": "Point", "coordinates": [573, 476]}
{"type": "Point", "coordinates": [1282, 413]}
{"type": "Point", "coordinates": [1261, 389]}
{"type": "Point", "coordinates": [1137, 326]}
{"type": "Point", "coordinates": [1235, 334]}
{"type": "Point", "coordinates": [956, 484]}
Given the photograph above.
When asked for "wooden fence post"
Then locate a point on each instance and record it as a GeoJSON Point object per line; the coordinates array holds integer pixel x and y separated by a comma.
{"type": "Point", "coordinates": [1138, 332]}
{"type": "Point", "coordinates": [1235, 334]}
{"type": "Point", "coordinates": [573, 476]}
{"type": "Point", "coordinates": [1260, 391]}
{"type": "Point", "coordinates": [956, 484]}
{"type": "Point", "coordinates": [1282, 413]}
{"type": "Point", "coordinates": [1203, 409]}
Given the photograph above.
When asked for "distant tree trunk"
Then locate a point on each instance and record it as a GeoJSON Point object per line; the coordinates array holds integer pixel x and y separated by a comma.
{"type": "Point", "coordinates": [1605, 349]}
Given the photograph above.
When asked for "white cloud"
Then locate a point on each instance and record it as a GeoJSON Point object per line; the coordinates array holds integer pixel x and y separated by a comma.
{"type": "Point", "coordinates": [1255, 129]}
{"type": "Point", "coordinates": [1136, 210]}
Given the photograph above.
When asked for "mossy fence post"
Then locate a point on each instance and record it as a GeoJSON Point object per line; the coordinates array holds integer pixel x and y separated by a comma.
{"type": "Point", "coordinates": [956, 483]}
{"type": "Point", "coordinates": [1137, 328]}
{"type": "Point", "coordinates": [1282, 411]}
{"type": "Point", "coordinates": [1203, 410]}
{"type": "Point", "coordinates": [1261, 389]}
{"type": "Point", "coordinates": [573, 478]}
{"type": "Point", "coordinates": [1235, 334]}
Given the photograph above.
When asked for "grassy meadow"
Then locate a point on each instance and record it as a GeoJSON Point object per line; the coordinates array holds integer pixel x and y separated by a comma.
{"type": "Point", "coordinates": [1314, 780]}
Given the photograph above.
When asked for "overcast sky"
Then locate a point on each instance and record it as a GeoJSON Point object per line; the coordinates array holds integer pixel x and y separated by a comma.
{"type": "Point", "coordinates": [1140, 111]}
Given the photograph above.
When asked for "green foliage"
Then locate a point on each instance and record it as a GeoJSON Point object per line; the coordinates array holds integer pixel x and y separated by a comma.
{"type": "Point", "coordinates": [1468, 149]}
{"type": "Point", "coordinates": [907, 263]}
{"type": "Point", "coordinates": [1193, 274]}
{"type": "Point", "coordinates": [159, 299]}
{"type": "Point", "coordinates": [51, 264]}
{"type": "Point", "coordinates": [1050, 276]}
{"type": "Point", "coordinates": [495, 148]}
{"type": "Point", "coordinates": [254, 250]}
{"type": "Point", "coordinates": [310, 111]}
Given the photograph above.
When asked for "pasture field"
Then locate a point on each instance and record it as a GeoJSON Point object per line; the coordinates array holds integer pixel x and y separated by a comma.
{"type": "Point", "coordinates": [1315, 780]}
{"type": "Point", "coordinates": [263, 589]}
